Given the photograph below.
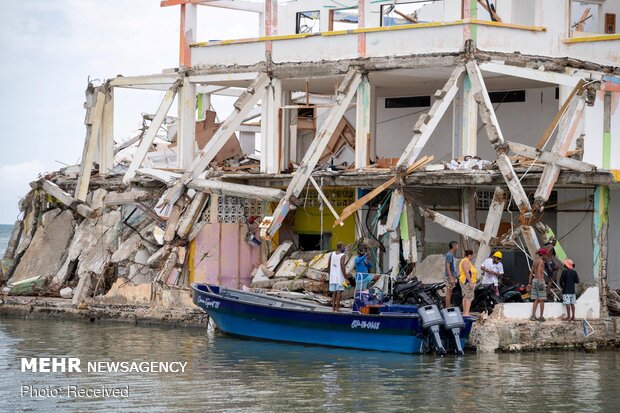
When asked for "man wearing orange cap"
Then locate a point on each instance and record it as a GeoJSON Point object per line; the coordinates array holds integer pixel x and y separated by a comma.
{"type": "Point", "coordinates": [537, 287]}
{"type": "Point", "coordinates": [568, 279]}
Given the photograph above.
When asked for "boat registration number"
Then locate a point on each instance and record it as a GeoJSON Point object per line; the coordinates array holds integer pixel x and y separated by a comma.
{"type": "Point", "coordinates": [371, 325]}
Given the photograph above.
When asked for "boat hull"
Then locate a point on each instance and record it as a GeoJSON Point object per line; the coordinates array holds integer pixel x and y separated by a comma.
{"type": "Point", "coordinates": [384, 332]}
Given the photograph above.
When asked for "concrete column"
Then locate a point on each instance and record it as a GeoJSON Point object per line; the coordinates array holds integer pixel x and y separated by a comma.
{"type": "Point", "coordinates": [284, 120]}
{"type": "Point", "coordinates": [186, 128]}
{"type": "Point", "coordinates": [601, 226]}
{"type": "Point", "coordinates": [465, 121]}
{"type": "Point", "coordinates": [106, 137]}
{"type": "Point", "coordinates": [271, 127]}
{"type": "Point", "coordinates": [187, 36]}
{"type": "Point", "coordinates": [365, 124]}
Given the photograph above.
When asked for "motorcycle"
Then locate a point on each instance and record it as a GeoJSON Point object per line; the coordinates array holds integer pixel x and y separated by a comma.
{"type": "Point", "coordinates": [412, 291]}
{"type": "Point", "coordinates": [484, 298]}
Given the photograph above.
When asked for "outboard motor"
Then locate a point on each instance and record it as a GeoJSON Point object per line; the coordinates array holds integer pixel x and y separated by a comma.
{"type": "Point", "coordinates": [454, 323]}
{"type": "Point", "coordinates": [431, 322]}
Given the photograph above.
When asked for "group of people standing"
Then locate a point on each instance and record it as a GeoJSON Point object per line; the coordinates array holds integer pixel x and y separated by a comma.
{"type": "Point", "coordinates": [493, 270]}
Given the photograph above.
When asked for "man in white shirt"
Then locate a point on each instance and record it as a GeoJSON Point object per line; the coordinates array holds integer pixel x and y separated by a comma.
{"type": "Point", "coordinates": [492, 269]}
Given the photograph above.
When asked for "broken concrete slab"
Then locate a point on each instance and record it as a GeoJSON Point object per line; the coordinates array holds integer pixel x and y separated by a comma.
{"type": "Point", "coordinates": [45, 254]}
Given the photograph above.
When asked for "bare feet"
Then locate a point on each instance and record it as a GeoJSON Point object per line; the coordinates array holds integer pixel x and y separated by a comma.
{"type": "Point", "coordinates": [565, 319]}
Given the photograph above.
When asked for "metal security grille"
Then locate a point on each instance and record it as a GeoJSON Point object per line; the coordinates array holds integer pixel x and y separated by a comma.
{"type": "Point", "coordinates": [336, 197]}
{"type": "Point", "coordinates": [232, 209]}
{"type": "Point", "coordinates": [485, 197]}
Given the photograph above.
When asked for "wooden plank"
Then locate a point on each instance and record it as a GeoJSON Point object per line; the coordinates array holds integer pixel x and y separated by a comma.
{"type": "Point", "coordinates": [90, 146]}
{"type": "Point", "coordinates": [427, 123]}
{"type": "Point", "coordinates": [553, 158]}
{"type": "Point", "coordinates": [151, 132]}
{"type": "Point", "coordinates": [348, 211]}
{"type": "Point", "coordinates": [233, 189]}
{"type": "Point", "coordinates": [577, 90]}
{"type": "Point", "coordinates": [493, 15]}
{"type": "Point", "coordinates": [324, 198]}
{"type": "Point", "coordinates": [345, 94]}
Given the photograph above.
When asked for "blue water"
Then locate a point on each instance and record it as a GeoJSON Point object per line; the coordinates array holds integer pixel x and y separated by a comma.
{"type": "Point", "coordinates": [5, 235]}
{"type": "Point", "coordinates": [231, 375]}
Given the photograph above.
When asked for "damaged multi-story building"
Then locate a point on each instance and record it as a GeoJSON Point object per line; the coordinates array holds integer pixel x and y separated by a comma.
{"type": "Point", "coordinates": [403, 124]}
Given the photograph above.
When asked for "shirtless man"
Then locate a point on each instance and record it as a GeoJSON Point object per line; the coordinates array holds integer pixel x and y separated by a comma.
{"type": "Point", "coordinates": [537, 284]}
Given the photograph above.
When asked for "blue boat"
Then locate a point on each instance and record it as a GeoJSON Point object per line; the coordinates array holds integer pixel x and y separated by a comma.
{"type": "Point", "coordinates": [253, 315]}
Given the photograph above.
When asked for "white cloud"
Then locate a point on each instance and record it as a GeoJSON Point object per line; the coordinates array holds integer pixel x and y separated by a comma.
{"type": "Point", "coordinates": [14, 179]}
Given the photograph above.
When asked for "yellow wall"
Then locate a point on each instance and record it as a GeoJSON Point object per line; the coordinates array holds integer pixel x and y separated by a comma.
{"type": "Point", "coordinates": [308, 221]}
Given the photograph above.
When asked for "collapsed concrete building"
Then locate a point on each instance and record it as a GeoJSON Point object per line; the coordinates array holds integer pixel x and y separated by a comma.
{"type": "Point", "coordinates": [402, 124]}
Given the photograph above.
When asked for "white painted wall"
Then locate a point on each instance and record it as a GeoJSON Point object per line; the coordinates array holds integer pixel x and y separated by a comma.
{"type": "Point", "coordinates": [520, 121]}
{"type": "Point", "coordinates": [593, 129]}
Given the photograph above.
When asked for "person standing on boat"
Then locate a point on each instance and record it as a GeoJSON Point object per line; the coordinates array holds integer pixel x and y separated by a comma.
{"type": "Point", "coordinates": [363, 277]}
{"type": "Point", "coordinates": [468, 275]}
{"type": "Point", "coordinates": [337, 271]}
{"type": "Point", "coordinates": [450, 272]}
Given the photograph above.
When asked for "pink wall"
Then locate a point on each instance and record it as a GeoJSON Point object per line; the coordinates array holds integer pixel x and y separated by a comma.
{"type": "Point", "coordinates": [223, 257]}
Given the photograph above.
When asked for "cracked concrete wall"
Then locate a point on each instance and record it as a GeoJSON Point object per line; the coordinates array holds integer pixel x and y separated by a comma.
{"type": "Point", "coordinates": [45, 253]}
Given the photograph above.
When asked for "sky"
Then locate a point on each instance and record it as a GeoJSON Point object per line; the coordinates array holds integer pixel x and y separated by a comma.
{"type": "Point", "coordinates": [48, 51]}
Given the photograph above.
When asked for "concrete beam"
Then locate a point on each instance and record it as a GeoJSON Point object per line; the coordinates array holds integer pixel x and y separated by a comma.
{"type": "Point", "coordinates": [365, 124]}
{"type": "Point", "coordinates": [567, 131]}
{"type": "Point", "coordinates": [228, 188]}
{"type": "Point", "coordinates": [551, 158]}
{"type": "Point", "coordinates": [106, 137]}
{"type": "Point", "coordinates": [601, 243]}
{"type": "Point", "coordinates": [531, 74]}
{"type": "Point", "coordinates": [491, 225]}
{"type": "Point", "coordinates": [344, 95]}
{"type": "Point", "coordinates": [151, 132]}
{"type": "Point", "coordinates": [186, 124]}
{"type": "Point", "coordinates": [427, 123]}
{"type": "Point", "coordinates": [90, 145]}
{"type": "Point", "coordinates": [242, 106]}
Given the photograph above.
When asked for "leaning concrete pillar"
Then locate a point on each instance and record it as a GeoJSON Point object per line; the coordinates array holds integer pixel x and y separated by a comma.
{"type": "Point", "coordinates": [601, 226]}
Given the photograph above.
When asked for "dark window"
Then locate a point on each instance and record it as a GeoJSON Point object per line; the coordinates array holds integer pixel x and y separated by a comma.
{"type": "Point", "coordinates": [557, 93]}
{"type": "Point", "coordinates": [508, 96]}
{"type": "Point", "coordinates": [305, 113]}
{"type": "Point", "coordinates": [312, 242]}
{"type": "Point", "coordinates": [408, 102]}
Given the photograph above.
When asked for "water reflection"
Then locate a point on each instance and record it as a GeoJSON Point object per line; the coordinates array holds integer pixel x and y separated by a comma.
{"type": "Point", "coordinates": [241, 375]}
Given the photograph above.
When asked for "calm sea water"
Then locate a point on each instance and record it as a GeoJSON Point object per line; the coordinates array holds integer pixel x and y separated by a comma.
{"type": "Point", "coordinates": [228, 374]}
{"type": "Point", "coordinates": [5, 235]}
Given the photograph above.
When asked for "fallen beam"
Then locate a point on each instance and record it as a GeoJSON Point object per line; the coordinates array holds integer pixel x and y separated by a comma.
{"type": "Point", "coordinates": [232, 189]}
{"type": "Point", "coordinates": [566, 134]}
{"type": "Point", "coordinates": [491, 226]}
{"type": "Point", "coordinates": [549, 157]}
{"type": "Point", "coordinates": [124, 198]}
{"type": "Point", "coordinates": [151, 132]}
{"type": "Point", "coordinates": [242, 106]}
{"type": "Point", "coordinates": [344, 95]}
{"type": "Point", "coordinates": [192, 214]}
{"type": "Point", "coordinates": [578, 89]}
{"type": "Point", "coordinates": [427, 123]}
{"type": "Point", "coordinates": [66, 199]}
